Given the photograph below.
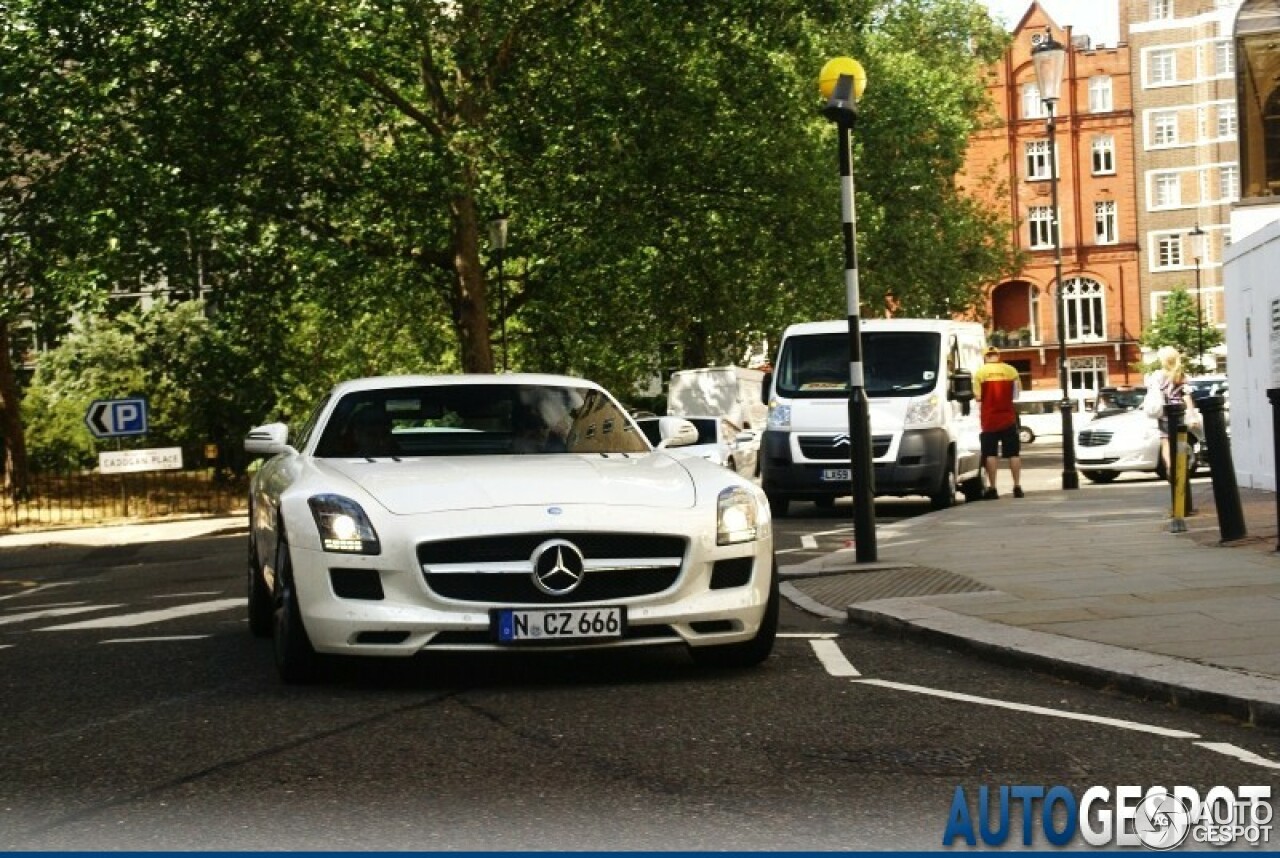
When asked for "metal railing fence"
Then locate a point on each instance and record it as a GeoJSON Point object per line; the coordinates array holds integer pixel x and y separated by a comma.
{"type": "Point", "coordinates": [85, 498]}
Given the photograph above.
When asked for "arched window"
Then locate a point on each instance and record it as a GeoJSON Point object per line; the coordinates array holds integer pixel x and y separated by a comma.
{"type": "Point", "coordinates": [1085, 302]}
{"type": "Point", "coordinates": [1258, 92]}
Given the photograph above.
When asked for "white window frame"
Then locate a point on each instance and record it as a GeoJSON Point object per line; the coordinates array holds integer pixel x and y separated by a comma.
{"type": "Point", "coordinates": [1161, 10]}
{"type": "Point", "coordinates": [1164, 128]}
{"type": "Point", "coordinates": [1166, 190]}
{"type": "Point", "coordinates": [1087, 373]}
{"type": "Point", "coordinates": [1085, 302]}
{"type": "Point", "coordinates": [1226, 119]}
{"type": "Point", "coordinates": [1105, 222]}
{"type": "Point", "coordinates": [1229, 182]}
{"type": "Point", "coordinates": [1037, 160]}
{"type": "Point", "coordinates": [1100, 94]}
{"type": "Point", "coordinates": [1224, 58]}
{"type": "Point", "coordinates": [1040, 227]}
{"type": "Point", "coordinates": [1103, 161]}
{"type": "Point", "coordinates": [1162, 67]}
{"type": "Point", "coordinates": [1168, 252]}
{"type": "Point", "coordinates": [1032, 105]}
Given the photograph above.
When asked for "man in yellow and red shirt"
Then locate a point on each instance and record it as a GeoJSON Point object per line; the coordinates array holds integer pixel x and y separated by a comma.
{"type": "Point", "coordinates": [995, 386]}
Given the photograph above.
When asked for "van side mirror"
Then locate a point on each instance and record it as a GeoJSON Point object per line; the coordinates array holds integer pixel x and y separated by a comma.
{"type": "Point", "coordinates": [766, 386]}
{"type": "Point", "coordinates": [961, 389]}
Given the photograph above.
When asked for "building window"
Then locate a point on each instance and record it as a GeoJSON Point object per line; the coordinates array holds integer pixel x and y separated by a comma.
{"type": "Point", "coordinates": [1104, 222]}
{"type": "Point", "coordinates": [1226, 119]}
{"type": "Point", "coordinates": [1104, 154]}
{"type": "Point", "coordinates": [1100, 94]}
{"type": "Point", "coordinates": [1162, 66]}
{"type": "Point", "coordinates": [1167, 190]}
{"type": "Point", "coordinates": [1169, 251]}
{"type": "Point", "coordinates": [1085, 303]}
{"type": "Point", "coordinates": [1164, 127]}
{"type": "Point", "coordinates": [1224, 58]}
{"type": "Point", "coordinates": [1229, 183]}
{"type": "Point", "coordinates": [1032, 106]}
{"type": "Point", "coordinates": [1040, 227]}
{"type": "Point", "coordinates": [1086, 373]}
{"type": "Point", "coordinates": [1038, 159]}
{"type": "Point", "coordinates": [1161, 10]}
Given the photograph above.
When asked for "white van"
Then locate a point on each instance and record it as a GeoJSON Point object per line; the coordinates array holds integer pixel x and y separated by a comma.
{"type": "Point", "coordinates": [1040, 417]}
{"type": "Point", "coordinates": [918, 381]}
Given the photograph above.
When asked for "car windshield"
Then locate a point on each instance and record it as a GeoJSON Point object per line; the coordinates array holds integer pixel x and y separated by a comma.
{"type": "Point", "coordinates": [1117, 401]}
{"type": "Point", "coordinates": [477, 420]}
{"type": "Point", "coordinates": [895, 363]}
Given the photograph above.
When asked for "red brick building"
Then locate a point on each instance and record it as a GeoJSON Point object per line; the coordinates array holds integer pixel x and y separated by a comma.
{"type": "Point", "coordinates": [1009, 165]}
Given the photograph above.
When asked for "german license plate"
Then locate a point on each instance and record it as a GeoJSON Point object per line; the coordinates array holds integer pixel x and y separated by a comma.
{"type": "Point", "coordinates": [561, 624]}
{"type": "Point", "coordinates": [836, 475]}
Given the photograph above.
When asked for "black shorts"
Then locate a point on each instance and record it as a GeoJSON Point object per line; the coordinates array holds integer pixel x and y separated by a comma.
{"type": "Point", "coordinates": [1004, 443]}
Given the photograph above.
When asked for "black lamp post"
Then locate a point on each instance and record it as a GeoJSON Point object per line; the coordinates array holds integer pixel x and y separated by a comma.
{"type": "Point", "coordinates": [498, 241]}
{"type": "Point", "coordinates": [1198, 237]}
{"type": "Point", "coordinates": [841, 83]}
{"type": "Point", "coordinates": [1049, 58]}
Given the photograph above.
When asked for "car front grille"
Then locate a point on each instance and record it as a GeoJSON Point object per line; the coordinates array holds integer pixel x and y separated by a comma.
{"type": "Point", "coordinates": [499, 569]}
{"type": "Point", "coordinates": [827, 448]}
{"type": "Point", "coordinates": [1095, 438]}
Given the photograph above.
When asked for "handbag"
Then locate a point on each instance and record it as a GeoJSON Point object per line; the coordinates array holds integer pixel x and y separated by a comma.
{"type": "Point", "coordinates": [1153, 402]}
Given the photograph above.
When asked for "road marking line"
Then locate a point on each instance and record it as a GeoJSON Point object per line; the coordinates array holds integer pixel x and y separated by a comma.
{"type": "Point", "coordinates": [1240, 754]}
{"type": "Point", "coordinates": [47, 605]}
{"type": "Point", "coordinates": [809, 636]}
{"type": "Point", "coordinates": [33, 588]}
{"type": "Point", "coordinates": [7, 646]}
{"type": "Point", "coordinates": [828, 652]}
{"type": "Point", "coordinates": [808, 540]}
{"type": "Point", "coordinates": [156, 639]}
{"type": "Point", "coordinates": [51, 612]}
{"type": "Point", "coordinates": [188, 595]}
{"type": "Point", "coordinates": [145, 617]}
{"type": "Point", "coordinates": [1036, 710]}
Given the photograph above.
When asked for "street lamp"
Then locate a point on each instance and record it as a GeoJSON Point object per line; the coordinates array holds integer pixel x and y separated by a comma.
{"type": "Point", "coordinates": [1049, 58]}
{"type": "Point", "coordinates": [498, 241]}
{"type": "Point", "coordinates": [841, 83]}
{"type": "Point", "coordinates": [1198, 239]}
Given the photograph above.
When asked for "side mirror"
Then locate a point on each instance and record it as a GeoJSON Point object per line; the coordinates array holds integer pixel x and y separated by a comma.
{"type": "Point", "coordinates": [961, 389]}
{"type": "Point", "coordinates": [766, 387]}
{"type": "Point", "coordinates": [676, 432]}
{"type": "Point", "coordinates": [267, 440]}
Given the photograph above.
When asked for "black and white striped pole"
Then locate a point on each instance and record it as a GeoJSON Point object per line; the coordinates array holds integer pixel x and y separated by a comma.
{"type": "Point", "coordinates": [841, 83]}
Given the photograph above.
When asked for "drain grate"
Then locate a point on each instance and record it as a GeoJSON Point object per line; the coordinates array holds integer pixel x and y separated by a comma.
{"type": "Point", "coordinates": [839, 591]}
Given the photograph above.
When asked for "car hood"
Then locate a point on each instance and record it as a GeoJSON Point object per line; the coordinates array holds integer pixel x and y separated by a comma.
{"type": "Point", "coordinates": [439, 484]}
{"type": "Point", "coordinates": [1125, 421]}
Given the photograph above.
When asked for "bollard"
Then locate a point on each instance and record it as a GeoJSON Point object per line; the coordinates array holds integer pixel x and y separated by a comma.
{"type": "Point", "coordinates": [1274, 395]}
{"type": "Point", "coordinates": [1177, 465]}
{"type": "Point", "coordinates": [1222, 471]}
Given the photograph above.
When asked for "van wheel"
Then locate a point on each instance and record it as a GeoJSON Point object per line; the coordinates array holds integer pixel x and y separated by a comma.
{"type": "Point", "coordinates": [972, 488]}
{"type": "Point", "coordinates": [945, 496]}
{"type": "Point", "coordinates": [779, 505]}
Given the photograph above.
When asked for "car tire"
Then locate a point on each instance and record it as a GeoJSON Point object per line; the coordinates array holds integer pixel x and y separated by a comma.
{"type": "Point", "coordinates": [1101, 476]}
{"type": "Point", "coordinates": [825, 503]}
{"type": "Point", "coordinates": [972, 488]}
{"type": "Point", "coordinates": [1025, 435]}
{"type": "Point", "coordinates": [261, 609]}
{"type": "Point", "coordinates": [748, 653]}
{"type": "Point", "coordinates": [778, 506]}
{"type": "Point", "coordinates": [296, 660]}
{"type": "Point", "coordinates": [945, 496]}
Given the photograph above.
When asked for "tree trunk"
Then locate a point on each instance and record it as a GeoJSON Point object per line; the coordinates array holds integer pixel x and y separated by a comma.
{"type": "Point", "coordinates": [16, 475]}
{"type": "Point", "coordinates": [471, 307]}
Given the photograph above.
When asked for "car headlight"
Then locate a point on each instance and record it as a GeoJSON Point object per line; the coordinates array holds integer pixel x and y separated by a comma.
{"type": "Point", "coordinates": [779, 417]}
{"type": "Point", "coordinates": [923, 409]}
{"type": "Point", "coordinates": [343, 526]}
{"type": "Point", "coordinates": [737, 516]}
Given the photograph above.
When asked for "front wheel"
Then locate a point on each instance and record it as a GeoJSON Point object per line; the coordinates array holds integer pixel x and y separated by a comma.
{"type": "Point", "coordinates": [261, 609]}
{"type": "Point", "coordinates": [752, 652]}
{"type": "Point", "coordinates": [1100, 476]}
{"type": "Point", "coordinates": [945, 496]}
{"type": "Point", "coordinates": [779, 505]}
{"type": "Point", "coordinates": [296, 660]}
{"type": "Point", "coordinates": [972, 488]}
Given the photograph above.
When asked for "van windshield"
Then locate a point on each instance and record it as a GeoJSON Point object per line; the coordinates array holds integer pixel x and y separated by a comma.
{"type": "Point", "coordinates": [895, 363]}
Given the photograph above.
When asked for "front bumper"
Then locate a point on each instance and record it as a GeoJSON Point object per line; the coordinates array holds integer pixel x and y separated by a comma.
{"type": "Point", "coordinates": [906, 463]}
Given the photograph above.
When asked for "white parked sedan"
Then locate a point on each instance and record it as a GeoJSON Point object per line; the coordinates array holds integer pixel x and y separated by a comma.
{"type": "Point", "coordinates": [502, 512]}
{"type": "Point", "coordinates": [1120, 441]}
{"type": "Point", "coordinates": [719, 441]}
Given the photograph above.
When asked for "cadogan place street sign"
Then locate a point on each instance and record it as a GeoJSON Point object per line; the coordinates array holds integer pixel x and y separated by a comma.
{"type": "Point", "coordinates": [132, 461]}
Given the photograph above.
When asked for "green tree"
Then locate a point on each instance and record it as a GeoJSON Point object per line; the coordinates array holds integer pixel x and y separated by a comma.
{"type": "Point", "coordinates": [1179, 325]}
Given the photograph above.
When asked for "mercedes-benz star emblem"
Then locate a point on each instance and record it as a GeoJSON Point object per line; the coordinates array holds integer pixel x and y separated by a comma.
{"type": "Point", "coordinates": [557, 567]}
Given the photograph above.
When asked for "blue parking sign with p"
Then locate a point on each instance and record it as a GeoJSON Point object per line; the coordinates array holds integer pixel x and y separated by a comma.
{"type": "Point", "coordinates": [115, 418]}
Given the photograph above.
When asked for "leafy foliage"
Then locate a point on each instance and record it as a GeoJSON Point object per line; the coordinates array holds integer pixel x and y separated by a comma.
{"type": "Point", "coordinates": [1179, 325]}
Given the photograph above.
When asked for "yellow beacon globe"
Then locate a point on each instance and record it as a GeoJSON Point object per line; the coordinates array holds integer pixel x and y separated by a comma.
{"type": "Point", "coordinates": [831, 73]}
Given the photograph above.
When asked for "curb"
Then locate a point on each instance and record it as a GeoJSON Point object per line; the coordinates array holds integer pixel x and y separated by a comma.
{"type": "Point", "coordinates": [1246, 697]}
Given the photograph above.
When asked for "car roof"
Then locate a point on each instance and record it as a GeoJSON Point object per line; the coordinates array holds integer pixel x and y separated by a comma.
{"type": "Point", "coordinates": [386, 382]}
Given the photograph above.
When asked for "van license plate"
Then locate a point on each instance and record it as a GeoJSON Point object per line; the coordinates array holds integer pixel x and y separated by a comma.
{"type": "Point", "coordinates": [836, 475]}
{"type": "Point", "coordinates": [514, 626]}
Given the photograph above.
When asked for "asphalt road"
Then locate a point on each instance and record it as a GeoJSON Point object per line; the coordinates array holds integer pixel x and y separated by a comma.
{"type": "Point", "coordinates": [139, 713]}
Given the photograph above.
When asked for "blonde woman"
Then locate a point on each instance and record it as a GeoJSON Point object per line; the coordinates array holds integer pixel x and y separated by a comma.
{"type": "Point", "coordinates": [1171, 379]}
